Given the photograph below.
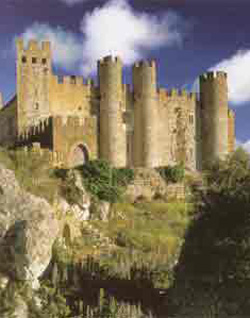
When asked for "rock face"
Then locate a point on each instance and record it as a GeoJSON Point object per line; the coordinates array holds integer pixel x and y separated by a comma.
{"type": "Point", "coordinates": [81, 205]}
{"type": "Point", "coordinates": [28, 229]}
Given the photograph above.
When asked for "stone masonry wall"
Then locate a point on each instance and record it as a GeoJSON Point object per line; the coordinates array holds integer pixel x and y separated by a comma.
{"type": "Point", "coordinates": [177, 128]}
{"type": "Point", "coordinates": [8, 123]}
{"type": "Point", "coordinates": [33, 75]}
{"type": "Point", "coordinates": [231, 130]}
{"type": "Point", "coordinates": [139, 127]}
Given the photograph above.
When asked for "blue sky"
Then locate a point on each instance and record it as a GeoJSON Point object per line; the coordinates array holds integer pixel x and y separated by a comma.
{"type": "Point", "coordinates": [186, 37]}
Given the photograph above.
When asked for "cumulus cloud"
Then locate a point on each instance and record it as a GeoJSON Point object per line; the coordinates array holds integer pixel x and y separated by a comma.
{"type": "Point", "coordinates": [113, 28]}
{"type": "Point", "coordinates": [245, 145]}
{"type": "Point", "coordinates": [66, 46]}
{"type": "Point", "coordinates": [116, 28]}
{"type": "Point", "coordinates": [238, 70]}
{"type": "Point", "coordinates": [72, 2]}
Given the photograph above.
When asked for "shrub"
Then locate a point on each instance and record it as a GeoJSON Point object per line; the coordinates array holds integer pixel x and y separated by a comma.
{"type": "Point", "coordinates": [105, 182]}
{"type": "Point", "coordinates": [172, 173]}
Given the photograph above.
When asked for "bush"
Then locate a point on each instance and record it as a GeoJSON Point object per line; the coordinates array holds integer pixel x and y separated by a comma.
{"type": "Point", "coordinates": [172, 174]}
{"type": "Point", "coordinates": [105, 182]}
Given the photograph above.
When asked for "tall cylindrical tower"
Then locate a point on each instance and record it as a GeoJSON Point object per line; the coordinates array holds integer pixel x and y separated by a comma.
{"type": "Point", "coordinates": [214, 116]}
{"type": "Point", "coordinates": [145, 115]}
{"type": "Point", "coordinates": [112, 127]}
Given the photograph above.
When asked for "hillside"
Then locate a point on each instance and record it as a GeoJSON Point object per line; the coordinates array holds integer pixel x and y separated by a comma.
{"type": "Point", "coordinates": [121, 237]}
{"type": "Point", "coordinates": [120, 244]}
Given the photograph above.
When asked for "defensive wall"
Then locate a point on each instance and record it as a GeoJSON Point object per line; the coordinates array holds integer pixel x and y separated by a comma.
{"type": "Point", "coordinates": [137, 126]}
{"type": "Point", "coordinates": [177, 127]}
{"type": "Point", "coordinates": [62, 135]}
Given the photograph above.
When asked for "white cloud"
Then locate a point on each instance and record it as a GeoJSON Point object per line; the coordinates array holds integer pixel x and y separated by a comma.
{"type": "Point", "coordinates": [72, 2]}
{"type": "Point", "coordinates": [66, 46]}
{"type": "Point", "coordinates": [238, 70]}
{"type": "Point", "coordinates": [245, 145]}
{"type": "Point", "coordinates": [115, 28]}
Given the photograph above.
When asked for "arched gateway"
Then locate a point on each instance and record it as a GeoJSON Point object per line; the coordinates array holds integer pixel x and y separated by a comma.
{"type": "Point", "coordinates": [79, 155]}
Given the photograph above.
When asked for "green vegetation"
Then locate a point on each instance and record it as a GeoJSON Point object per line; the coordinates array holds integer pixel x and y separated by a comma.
{"type": "Point", "coordinates": [32, 171]}
{"type": "Point", "coordinates": [172, 174]}
{"type": "Point", "coordinates": [146, 238]}
{"type": "Point", "coordinates": [105, 182]}
{"type": "Point", "coordinates": [214, 265]}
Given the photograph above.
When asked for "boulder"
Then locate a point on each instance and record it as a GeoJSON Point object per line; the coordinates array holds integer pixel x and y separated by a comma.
{"type": "Point", "coordinates": [28, 228]}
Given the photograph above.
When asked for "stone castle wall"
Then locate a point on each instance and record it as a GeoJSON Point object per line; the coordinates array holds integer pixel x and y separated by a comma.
{"type": "Point", "coordinates": [177, 127]}
{"type": "Point", "coordinates": [231, 130]}
{"type": "Point", "coordinates": [138, 127]}
{"type": "Point", "coordinates": [63, 135]}
{"type": "Point", "coordinates": [8, 123]}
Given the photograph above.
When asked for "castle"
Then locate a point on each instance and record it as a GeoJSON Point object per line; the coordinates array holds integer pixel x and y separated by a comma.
{"type": "Point", "coordinates": [143, 126]}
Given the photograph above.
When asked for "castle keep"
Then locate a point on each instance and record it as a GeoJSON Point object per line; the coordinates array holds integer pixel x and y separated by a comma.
{"type": "Point", "coordinates": [142, 126]}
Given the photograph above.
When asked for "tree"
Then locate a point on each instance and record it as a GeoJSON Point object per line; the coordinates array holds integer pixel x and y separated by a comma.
{"type": "Point", "coordinates": [215, 259]}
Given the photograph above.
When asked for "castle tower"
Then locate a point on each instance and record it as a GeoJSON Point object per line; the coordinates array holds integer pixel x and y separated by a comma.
{"type": "Point", "coordinates": [145, 115]}
{"type": "Point", "coordinates": [231, 130]}
{"type": "Point", "coordinates": [112, 128]}
{"type": "Point", "coordinates": [33, 74]}
{"type": "Point", "coordinates": [214, 116]}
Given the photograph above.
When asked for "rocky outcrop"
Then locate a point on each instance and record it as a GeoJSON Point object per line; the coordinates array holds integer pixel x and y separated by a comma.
{"type": "Point", "coordinates": [28, 228]}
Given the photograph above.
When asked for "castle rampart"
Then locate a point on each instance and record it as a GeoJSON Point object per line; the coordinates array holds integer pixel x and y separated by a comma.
{"type": "Point", "coordinates": [136, 125]}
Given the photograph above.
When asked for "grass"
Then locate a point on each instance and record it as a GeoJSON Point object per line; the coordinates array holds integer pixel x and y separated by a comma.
{"type": "Point", "coordinates": [147, 236]}
{"type": "Point", "coordinates": [32, 171]}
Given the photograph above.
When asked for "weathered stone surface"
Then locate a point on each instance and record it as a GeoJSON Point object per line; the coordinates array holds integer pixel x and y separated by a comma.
{"type": "Point", "coordinates": [100, 210]}
{"type": "Point", "coordinates": [147, 183]}
{"type": "Point", "coordinates": [139, 127]}
{"type": "Point", "coordinates": [28, 229]}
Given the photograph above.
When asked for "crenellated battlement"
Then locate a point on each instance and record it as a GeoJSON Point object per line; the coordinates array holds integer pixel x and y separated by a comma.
{"type": "Point", "coordinates": [144, 63]}
{"type": "Point", "coordinates": [33, 46]}
{"type": "Point", "coordinates": [73, 81]}
{"type": "Point", "coordinates": [213, 75]}
{"type": "Point", "coordinates": [110, 60]}
{"type": "Point", "coordinates": [165, 94]}
{"type": "Point", "coordinates": [136, 125]}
